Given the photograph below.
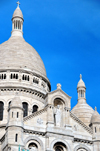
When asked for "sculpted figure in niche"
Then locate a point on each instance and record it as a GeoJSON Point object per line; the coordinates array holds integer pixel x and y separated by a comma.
{"type": "Point", "coordinates": [57, 115]}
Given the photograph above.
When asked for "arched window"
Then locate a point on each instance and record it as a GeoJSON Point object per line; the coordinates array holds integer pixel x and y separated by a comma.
{"type": "Point", "coordinates": [23, 77]}
{"type": "Point", "coordinates": [33, 146]}
{"type": "Point", "coordinates": [16, 24]}
{"type": "Point", "coordinates": [1, 110]}
{"type": "Point", "coordinates": [95, 130]}
{"type": "Point", "coordinates": [16, 137]}
{"type": "Point", "coordinates": [35, 108]}
{"type": "Point", "coordinates": [59, 146]}
{"type": "Point", "coordinates": [28, 78]}
{"type": "Point", "coordinates": [25, 106]}
{"type": "Point", "coordinates": [9, 104]}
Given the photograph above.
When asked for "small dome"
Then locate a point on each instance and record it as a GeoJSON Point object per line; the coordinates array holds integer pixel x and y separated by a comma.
{"type": "Point", "coordinates": [17, 13]}
{"type": "Point", "coordinates": [80, 83]}
{"type": "Point", "coordinates": [95, 117]}
{"type": "Point", "coordinates": [84, 112]}
{"type": "Point", "coordinates": [16, 101]}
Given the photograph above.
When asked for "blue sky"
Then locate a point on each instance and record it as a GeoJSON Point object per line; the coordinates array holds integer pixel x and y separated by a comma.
{"type": "Point", "coordinates": [66, 34]}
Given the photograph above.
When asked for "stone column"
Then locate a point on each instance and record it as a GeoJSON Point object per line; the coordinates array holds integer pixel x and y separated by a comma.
{"type": "Point", "coordinates": [8, 75]}
{"type": "Point", "coordinates": [67, 116]}
{"type": "Point", "coordinates": [40, 81]}
{"type": "Point", "coordinates": [20, 76]}
{"type": "Point", "coordinates": [31, 79]}
{"type": "Point", "coordinates": [50, 118]}
{"type": "Point", "coordinates": [5, 113]}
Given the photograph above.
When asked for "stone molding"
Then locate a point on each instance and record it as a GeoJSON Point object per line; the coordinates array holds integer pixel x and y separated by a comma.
{"type": "Point", "coordinates": [36, 139]}
{"type": "Point", "coordinates": [35, 114]}
{"type": "Point", "coordinates": [81, 146]}
{"type": "Point", "coordinates": [81, 123]}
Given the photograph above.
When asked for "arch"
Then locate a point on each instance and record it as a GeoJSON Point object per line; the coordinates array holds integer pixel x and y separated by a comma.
{"type": "Point", "coordinates": [59, 140]}
{"type": "Point", "coordinates": [60, 97]}
{"type": "Point", "coordinates": [9, 104]}
{"type": "Point", "coordinates": [1, 110]}
{"type": "Point", "coordinates": [81, 146]}
{"type": "Point", "coordinates": [36, 139]}
{"type": "Point", "coordinates": [35, 108]}
{"type": "Point", "coordinates": [25, 106]}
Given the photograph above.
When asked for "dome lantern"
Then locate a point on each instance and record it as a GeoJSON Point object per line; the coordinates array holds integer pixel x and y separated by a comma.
{"type": "Point", "coordinates": [17, 22]}
{"type": "Point", "coordinates": [81, 89]}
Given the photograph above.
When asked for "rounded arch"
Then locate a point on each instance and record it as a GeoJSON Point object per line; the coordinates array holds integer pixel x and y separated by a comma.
{"type": "Point", "coordinates": [35, 108]}
{"type": "Point", "coordinates": [4, 101]}
{"type": "Point", "coordinates": [60, 97]}
{"type": "Point", "coordinates": [27, 101]}
{"type": "Point", "coordinates": [34, 138]}
{"type": "Point", "coordinates": [35, 103]}
{"type": "Point", "coordinates": [59, 140]}
{"type": "Point", "coordinates": [81, 146]}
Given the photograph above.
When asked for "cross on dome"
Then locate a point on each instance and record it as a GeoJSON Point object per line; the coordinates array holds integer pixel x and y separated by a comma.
{"type": "Point", "coordinates": [18, 3]}
{"type": "Point", "coordinates": [80, 76]}
{"type": "Point", "coordinates": [95, 108]}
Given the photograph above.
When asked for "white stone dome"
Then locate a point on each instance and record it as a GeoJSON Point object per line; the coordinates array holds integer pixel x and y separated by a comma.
{"type": "Point", "coordinates": [95, 117]}
{"type": "Point", "coordinates": [16, 53]}
{"type": "Point", "coordinates": [17, 13]}
{"type": "Point", "coordinates": [84, 112]}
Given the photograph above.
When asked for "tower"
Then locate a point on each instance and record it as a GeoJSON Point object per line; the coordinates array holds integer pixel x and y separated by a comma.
{"type": "Point", "coordinates": [81, 89]}
{"type": "Point", "coordinates": [95, 125]}
{"type": "Point", "coordinates": [82, 110]}
{"type": "Point", "coordinates": [17, 22]}
{"type": "Point", "coordinates": [14, 128]}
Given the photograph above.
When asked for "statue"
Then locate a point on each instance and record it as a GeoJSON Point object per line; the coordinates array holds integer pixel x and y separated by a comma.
{"type": "Point", "coordinates": [57, 116]}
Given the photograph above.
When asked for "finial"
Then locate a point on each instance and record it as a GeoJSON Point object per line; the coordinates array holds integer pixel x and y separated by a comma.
{"type": "Point", "coordinates": [58, 86]}
{"type": "Point", "coordinates": [18, 3]}
{"type": "Point", "coordinates": [80, 76]}
{"type": "Point", "coordinates": [95, 108]}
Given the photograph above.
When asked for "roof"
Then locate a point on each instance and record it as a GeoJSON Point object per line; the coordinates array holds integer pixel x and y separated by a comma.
{"type": "Point", "coordinates": [95, 117]}
{"type": "Point", "coordinates": [17, 13]}
{"type": "Point", "coordinates": [81, 83]}
{"type": "Point", "coordinates": [84, 112]}
{"type": "Point", "coordinates": [17, 53]}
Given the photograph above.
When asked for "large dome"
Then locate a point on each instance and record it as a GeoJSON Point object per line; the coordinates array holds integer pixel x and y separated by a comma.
{"type": "Point", "coordinates": [16, 53]}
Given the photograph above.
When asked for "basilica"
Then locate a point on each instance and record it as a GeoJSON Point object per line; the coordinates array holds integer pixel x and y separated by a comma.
{"type": "Point", "coordinates": [32, 117]}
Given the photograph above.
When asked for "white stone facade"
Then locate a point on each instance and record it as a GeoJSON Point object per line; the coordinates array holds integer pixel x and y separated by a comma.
{"type": "Point", "coordinates": [31, 116]}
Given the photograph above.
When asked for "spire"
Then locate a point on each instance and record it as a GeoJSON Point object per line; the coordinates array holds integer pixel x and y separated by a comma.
{"type": "Point", "coordinates": [17, 22]}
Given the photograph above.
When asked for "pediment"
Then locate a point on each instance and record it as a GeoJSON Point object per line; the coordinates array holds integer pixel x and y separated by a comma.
{"type": "Point", "coordinates": [51, 96]}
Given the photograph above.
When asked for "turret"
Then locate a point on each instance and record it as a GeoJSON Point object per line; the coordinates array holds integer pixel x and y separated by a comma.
{"type": "Point", "coordinates": [82, 110]}
{"type": "Point", "coordinates": [81, 90]}
{"type": "Point", "coordinates": [14, 129]}
{"type": "Point", "coordinates": [17, 22]}
{"type": "Point", "coordinates": [95, 125]}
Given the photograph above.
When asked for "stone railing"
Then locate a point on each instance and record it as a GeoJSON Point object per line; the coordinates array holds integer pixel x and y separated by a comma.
{"type": "Point", "coordinates": [24, 78]}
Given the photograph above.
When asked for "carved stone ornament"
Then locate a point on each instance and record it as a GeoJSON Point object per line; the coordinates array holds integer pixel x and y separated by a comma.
{"type": "Point", "coordinates": [39, 121]}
